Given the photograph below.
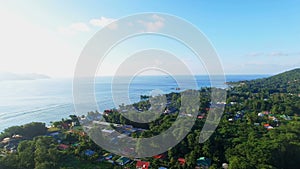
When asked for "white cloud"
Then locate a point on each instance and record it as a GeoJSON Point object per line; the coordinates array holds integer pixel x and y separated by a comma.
{"type": "Point", "coordinates": [103, 21]}
{"type": "Point", "coordinates": [273, 54]}
{"type": "Point", "coordinates": [74, 28]}
{"type": "Point", "coordinates": [156, 17]}
{"type": "Point", "coordinates": [279, 54]}
{"type": "Point", "coordinates": [255, 54]}
{"type": "Point", "coordinates": [156, 23]}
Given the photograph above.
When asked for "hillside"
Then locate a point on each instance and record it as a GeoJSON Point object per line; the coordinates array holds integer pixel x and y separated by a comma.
{"type": "Point", "coordinates": [257, 130]}
{"type": "Point", "coordinates": [287, 82]}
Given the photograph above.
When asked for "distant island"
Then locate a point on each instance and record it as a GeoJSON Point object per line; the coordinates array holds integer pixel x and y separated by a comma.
{"type": "Point", "coordinates": [5, 76]}
{"type": "Point", "coordinates": [260, 128]}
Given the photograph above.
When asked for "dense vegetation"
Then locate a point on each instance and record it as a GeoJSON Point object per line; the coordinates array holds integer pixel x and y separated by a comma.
{"type": "Point", "coordinates": [287, 82]}
{"type": "Point", "coordinates": [260, 128]}
{"type": "Point", "coordinates": [28, 131]}
{"type": "Point", "coordinates": [38, 153]}
{"type": "Point", "coordinates": [46, 152]}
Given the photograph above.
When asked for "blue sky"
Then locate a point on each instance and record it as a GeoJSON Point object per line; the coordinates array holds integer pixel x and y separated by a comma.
{"type": "Point", "coordinates": [251, 37]}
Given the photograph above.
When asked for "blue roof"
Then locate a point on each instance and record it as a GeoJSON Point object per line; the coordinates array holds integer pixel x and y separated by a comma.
{"type": "Point", "coordinates": [89, 152]}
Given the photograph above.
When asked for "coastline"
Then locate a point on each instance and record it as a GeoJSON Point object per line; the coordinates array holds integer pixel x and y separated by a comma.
{"type": "Point", "coordinates": [51, 99]}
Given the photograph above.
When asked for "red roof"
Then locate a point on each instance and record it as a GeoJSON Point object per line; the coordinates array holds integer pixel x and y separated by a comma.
{"type": "Point", "coordinates": [181, 161]}
{"type": "Point", "coordinates": [107, 111]}
{"type": "Point", "coordinates": [200, 117]}
{"type": "Point", "coordinates": [159, 156]}
{"type": "Point", "coordinates": [142, 165]}
{"type": "Point", "coordinates": [63, 146]}
{"type": "Point", "coordinates": [266, 125]}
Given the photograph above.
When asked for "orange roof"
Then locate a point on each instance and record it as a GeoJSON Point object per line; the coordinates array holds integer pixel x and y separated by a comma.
{"type": "Point", "coordinates": [142, 165]}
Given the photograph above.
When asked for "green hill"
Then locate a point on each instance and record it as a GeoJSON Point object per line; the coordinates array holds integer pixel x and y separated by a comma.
{"type": "Point", "coordinates": [287, 82]}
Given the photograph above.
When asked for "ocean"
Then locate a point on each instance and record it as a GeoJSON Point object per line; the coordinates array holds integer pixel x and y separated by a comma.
{"type": "Point", "coordinates": [47, 100]}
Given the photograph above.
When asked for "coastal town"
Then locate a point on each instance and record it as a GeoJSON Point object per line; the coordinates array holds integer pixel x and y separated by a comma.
{"type": "Point", "coordinates": [61, 132]}
{"type": "Point", "coordinates": [69, 132]}
{"type": "Point", "coordinates": [255, 119]}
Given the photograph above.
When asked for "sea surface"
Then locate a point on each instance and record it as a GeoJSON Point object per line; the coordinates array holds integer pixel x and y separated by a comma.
{"type": "Point", "coordinates": [47, 100]}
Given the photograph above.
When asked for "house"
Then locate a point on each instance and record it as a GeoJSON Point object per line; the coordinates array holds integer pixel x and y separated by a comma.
{"type": "Point", "coordinates": [75, 144]}
{"type": "Point", "coordinates": [203, 162]}
{"type": "Point", "coordinates": [159, 156]}
{"type": "Point", "coordinates": [74, 123]}
{"type": "Point", "coordinates": [106, 112]}
{"type": "Point", "coordinates": [17, 136]}
{"type": "Point", "coordinates": [266, 112]}
{"type": "Point", "coordinates": [201, 116]}
{"type": "Point", "coordinates": [268, 126]}
{"type": "Point", "coordinates": [181, 161]}
{"type": "Point", "coordinates": [10, 148]}
{"type": "Point", "coordinates": [142, 165]}
{"type": "Point", "coordinates": [221, 103]}
{"type": "Point", "coordinates": [272, 117]}
{"type": "Point", "coordinates": [10, 144]}
{"type": "Point", "coordinates": [167, 111]}
{"type": "Point", "coordinates": [123, 160]}
{"type": "Point", "coordinates": [260, 115]}
{"type": "Point", "coordinates": [285, 117]}
{"type": "Point", "coordinates": [5, 140]}
{"type": "Point", "coordinates": [89, 152]}
{"type": "Point", "coordinates": [225, 165]}
{"type": "Point", "coordinates": [238, 115]}
{"type": "Point", "coordinates": [108, 156]}
{"type": "Point", "coordinates": [63, 146]}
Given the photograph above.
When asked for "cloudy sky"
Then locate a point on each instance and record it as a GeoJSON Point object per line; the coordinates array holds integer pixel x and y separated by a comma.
{"type": "Point", "coordinates": [47, 37]}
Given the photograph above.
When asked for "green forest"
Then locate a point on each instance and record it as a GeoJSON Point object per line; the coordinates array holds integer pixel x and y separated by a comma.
{"type": "Point", "coordinates": [260, 128]}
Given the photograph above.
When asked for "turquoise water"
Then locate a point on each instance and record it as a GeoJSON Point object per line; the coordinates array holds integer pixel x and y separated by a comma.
{"type": "Point", "coordinates": [48, 100]}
